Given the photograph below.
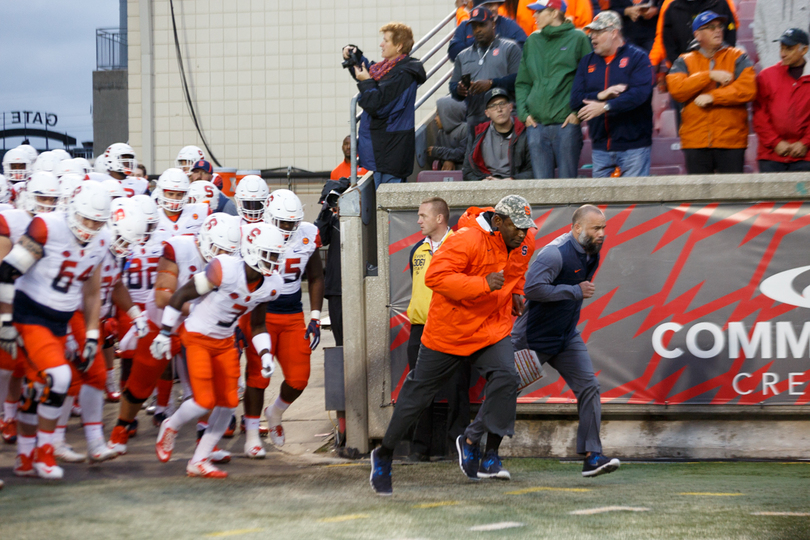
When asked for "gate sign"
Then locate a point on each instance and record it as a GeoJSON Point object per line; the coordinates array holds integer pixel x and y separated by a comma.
{"type": "Point", "coordinates": [695, 303]}
{"type": "Point", "coordinates": [30, 118]}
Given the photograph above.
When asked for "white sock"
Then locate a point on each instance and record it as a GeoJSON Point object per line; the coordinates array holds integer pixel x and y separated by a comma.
{"type": "Point", "coordinates": [44, 437]}
{"type": "Point", "coordinates": [252, 429]}
{"type": "Point", "coordinates": [64, 412]}
{"type": "Point", "coordinates": [59, 435]}
{"type": "Point", "coordinates": [5, 377]}
{"type": "Point", "coordinates": [26, 445]}
{"type": "Point", "coordinates": [111, 386]}
{"type": "Point", "coordinates": [276, 411]}
{"type": "Point", "coordinates": [93, 431]}
{"type": "Point", "coordinates": [217, 424]}
{"type": "Point", "coordinates": [10, 410]}
{"type": "Point", "coordinates": [92, 400]}
{"type": "Point", "coordinates": [187, 412]}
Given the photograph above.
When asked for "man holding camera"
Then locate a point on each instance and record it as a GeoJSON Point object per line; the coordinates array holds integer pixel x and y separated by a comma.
{"type": "Point", "coordinates": [490, 62]}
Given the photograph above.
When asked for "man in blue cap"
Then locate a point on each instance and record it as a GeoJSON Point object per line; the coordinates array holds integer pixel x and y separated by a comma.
{"type": "Point", "coordinates": [202, 170]}
{"type": "Point", "coordinates": [504, 27]}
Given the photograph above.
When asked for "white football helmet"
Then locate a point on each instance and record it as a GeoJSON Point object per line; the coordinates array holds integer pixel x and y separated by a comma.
{"type": "Point", "coordinates": [61, 154]}
{"type": "Point", "coordinates": [41, 192]}
{"type": "Point", "coordinates": [17, 165]}
{"type": "Point", "coordinates": [100, 164]}
{"type": "Point", "coordinates": [47, 161]}
{"type": "Point", "coordinates": [30, 151]}
{"type": "Point", "coordinates": [284, 210]}
{"type": "Point", "coordinates": [69, 166]}
{"type": "Point", "coordinates": [150, 213]}
{"type": "Point", "coordinates": [203, 191]}
{"type": "Point", "coordinates": [114, 188]}
{"type": "Point", "coordinates": [88, 210]}
{"type": "Point", "coordinates": [128, 226]}
{"type": "Point", "coordinates": [5, 190]}
{"type": "Point", "coordinates": [250, 196]}
{"type": "Point", "coordinates": [84, 164]}
{"type": "Point", "coordinates": [172, 180]}
{"type": "Point", "coordinates": [262, 247]}
{"type": "Point", "coordinates": [188, 156]}
{"type": "Point", "coordinates": [220, 234]}
{"type": "Point", "coordinates": [121, 158]}
{"type": "Point", "coordinates": [67, 185]}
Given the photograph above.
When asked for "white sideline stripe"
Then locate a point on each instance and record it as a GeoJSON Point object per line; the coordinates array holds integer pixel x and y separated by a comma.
{"type": "Point", "coordinates": [497, 526]}
{"type": "Point", "coordinates": [604, 509]}
{"type": "Point", "coordinates": [799, 514]}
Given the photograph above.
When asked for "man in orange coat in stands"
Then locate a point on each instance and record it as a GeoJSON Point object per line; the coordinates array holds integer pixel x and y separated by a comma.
{"type": "Point", "coordinates": [714, 83]}
{"type": "Point", "coordinates": [477, 281]}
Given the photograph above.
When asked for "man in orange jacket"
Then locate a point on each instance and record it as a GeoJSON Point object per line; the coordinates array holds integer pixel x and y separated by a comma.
{"type": "Point", "coordinates": [715, 84]}
{"type": "Point", "coordinates": [477, 281]}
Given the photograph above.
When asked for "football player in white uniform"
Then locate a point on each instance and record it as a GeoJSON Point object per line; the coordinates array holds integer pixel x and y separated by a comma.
{"type": "Point", "coordinates": [13, 224]}
{"type": "Point", "coordinates": [120, 163]}
{"type": "Point", "coordinates": [232, 287]}
{"type": "Point", "coordinates": [187, 156]}
{"type": "Point", "coordinates": [293, 340]}
{"type": "Point", "coordinates": [250, 198]}
{"type": "Point", "coordinates": [56, 266]}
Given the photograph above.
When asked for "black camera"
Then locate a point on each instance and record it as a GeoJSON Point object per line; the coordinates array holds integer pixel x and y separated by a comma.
{"type": "Point", "coordinates": [332, 199]}
{"type": "Point", "coordinates": [355, 57]}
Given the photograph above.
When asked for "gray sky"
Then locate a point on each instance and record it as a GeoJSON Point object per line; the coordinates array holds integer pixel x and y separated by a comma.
{"type": "Point", "coordinates": [48, 55]}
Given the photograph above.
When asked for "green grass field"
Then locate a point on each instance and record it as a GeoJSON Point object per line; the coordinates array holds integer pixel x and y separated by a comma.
{"type": "Point", "coordinates": [431, 501]}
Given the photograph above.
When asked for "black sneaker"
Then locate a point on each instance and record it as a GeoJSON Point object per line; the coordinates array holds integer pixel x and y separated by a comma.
{"type": "Point", "coordinates": [597, 464]}
{"type": "Point", "coordinates": [469, 457]}
{"type": "Point", "coordinates": [132, 428]}
{"type": "Point", "coordinates": [158, 418]}
{"type": "Point", "coordinates": [380, 478]}
{"type": "Point", "coordinates": [491, 467]}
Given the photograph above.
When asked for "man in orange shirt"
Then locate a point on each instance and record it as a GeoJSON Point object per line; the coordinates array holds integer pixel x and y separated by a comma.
{"type": "Point", "coordinates": [477, 282]}
{"type": "Point", "coordinates": [344, 170]}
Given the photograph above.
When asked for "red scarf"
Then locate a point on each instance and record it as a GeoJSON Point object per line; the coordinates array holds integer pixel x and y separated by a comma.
{"type": "Point", "coordinates": [381, 69]}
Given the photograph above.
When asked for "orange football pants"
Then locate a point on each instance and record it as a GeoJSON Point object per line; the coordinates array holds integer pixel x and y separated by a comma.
{"type": "Point", "coordinates": [96, 376]}
{"type": "Point", "coordinates": [213, 369]}
{"type": "Point", "coordinates": [44, 350]}
{"type": "Point", "coordinates": [146, 369]}
{"type": "Point", "coordinates": [289, 346]}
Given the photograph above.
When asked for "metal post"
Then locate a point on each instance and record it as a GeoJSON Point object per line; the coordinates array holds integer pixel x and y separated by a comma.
{"type": "Point", "coordinates": [353, 132]}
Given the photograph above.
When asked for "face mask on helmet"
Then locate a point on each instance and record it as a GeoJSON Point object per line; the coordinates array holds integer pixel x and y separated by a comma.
{"type": "Point", "coordinates": [41, 193]}
{"type": "Point", "coordinates": [17, 165]}
{"type": "Point", "coordinates": [89, 211]}
{"type": "Point", "coordinates": [284, 211]}
{"type": "Point", "coordinates": [128, 227]}
{"type": "Point", "coordinates": [269, 261]}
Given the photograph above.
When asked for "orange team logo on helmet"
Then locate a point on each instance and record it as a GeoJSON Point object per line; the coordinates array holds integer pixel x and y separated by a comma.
{"type": "Point", "coordinates": [253, 234]}
{"type": "Point", "coordinates": [211, 224]}
{"type": "Point", "coordinates": [119, 214]}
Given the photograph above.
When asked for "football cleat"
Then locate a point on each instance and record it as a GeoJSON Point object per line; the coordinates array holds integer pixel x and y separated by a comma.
{"type": "Point", "coordinates": [231, 428]}
{"type": "Point", "coordinates": [76, 410]}
{"type": "Point", "coordinates": [24, 465]}
{"type": "Point", "coordinates": [132, 429]}
{"type": "Point", "coordinates": [263, 430]}
{"type": "Point", "coordinates": [10, 432]}
{"type": "Point", "coordinates": [276, 435]}
{"type": "Point", "coordinates": [165, 442]}
{"type": "Point", "coordinates": [112, 394]}
{"type": "Point", "coordinates": [98, 451]}
{"type": "Point", "coordinates": [255, 451]}
{"type": "Point", "coordinates": [159, 417]}
{"type": "Point", "coordinates": [45, 464]}
{"type": "Point", "coordinates": [64, 452]}
{"type": "Point", "coordinates": [204, 469]}
{"type": "Point", "coordinates": [220, 456]}
{"type": "Point", "coordinates": [118, 440]}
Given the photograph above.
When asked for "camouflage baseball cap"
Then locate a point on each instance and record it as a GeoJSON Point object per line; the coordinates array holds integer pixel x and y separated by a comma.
{"type": "Point", "coordinates": [518, 210]}
{"type": "Point", "coordinates": [605, 19]}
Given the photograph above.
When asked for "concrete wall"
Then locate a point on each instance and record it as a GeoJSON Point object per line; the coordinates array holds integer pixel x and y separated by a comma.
{"type": "Point", "coordinates": [264, 76]}
{"type": "Point", "coordinates": [110, 109]}
{"type": "Point", "coordinates": [628, 430]}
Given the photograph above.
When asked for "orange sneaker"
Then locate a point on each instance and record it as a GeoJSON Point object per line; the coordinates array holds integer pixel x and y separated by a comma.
{"type": "Point", "coordinates": [24, 465]}
{"type": "Point", "coordinates": [10, 432]}
{"type": "Point", "coordinates": [45, 463]}
{"type": "Point", "coordinates": [118, 440]}
{"type": "Point", "coordinates": [204, 469]}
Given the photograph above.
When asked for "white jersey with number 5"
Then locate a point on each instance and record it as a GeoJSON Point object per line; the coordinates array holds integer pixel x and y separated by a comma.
{"type": "Point", "coordinates": [135, 185]}
{"type": "Point", "coordinates": [218, 313]}
{"type": "Point", "coordinates": [303, 244]}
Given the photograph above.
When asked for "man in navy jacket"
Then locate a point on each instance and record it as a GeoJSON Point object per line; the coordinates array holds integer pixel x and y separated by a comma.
{"type": "Point", "coordinates": [613, 93]}
{"type": "Point", "coordinates": [504, 27]}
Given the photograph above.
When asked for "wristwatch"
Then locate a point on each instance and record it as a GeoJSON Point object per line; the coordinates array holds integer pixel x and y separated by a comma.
{"type": "Point", "coordinates": [606, 106]}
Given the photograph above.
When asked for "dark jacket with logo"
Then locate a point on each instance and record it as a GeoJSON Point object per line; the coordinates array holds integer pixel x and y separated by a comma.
{"type": "Point", "coordinates": [386, 141]}
{"type": "Point", "coordinates": [629, 122]}
{"type": "Point", "coordinates": [677, 30]}
{"type": "Point", "coordinates": [520, 162]}
{"type": "Point", "coordinates": [463, 36]}
{"type": "Point", "coordinates": [555, 298]}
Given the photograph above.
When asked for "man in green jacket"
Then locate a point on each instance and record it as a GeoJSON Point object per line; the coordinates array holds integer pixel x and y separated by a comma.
{"type": "Point", "coordinates": [543, 90]}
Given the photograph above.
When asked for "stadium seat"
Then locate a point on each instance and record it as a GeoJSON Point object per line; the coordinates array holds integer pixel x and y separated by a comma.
{"type": "Point", "coordinates": [666, 152]}
{"type": "Point", "coordinates": [669, 170]}
{"type": "Point", "coordinates": [439, 176]}
{"type": "Point", "coordinates": [745, 30]}
{"type": "Point", "coordinates": [667, 127]}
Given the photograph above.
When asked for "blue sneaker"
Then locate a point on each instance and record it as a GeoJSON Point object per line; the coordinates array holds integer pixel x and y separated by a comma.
{"type": "Point", "coordinates": [597, 464]}
{"type": "Point", "coordinates": [380, 478]}
{"type": "Point", "coordinates": [469, 457]}
{"type": "Point", "coordinates": [491, 467]}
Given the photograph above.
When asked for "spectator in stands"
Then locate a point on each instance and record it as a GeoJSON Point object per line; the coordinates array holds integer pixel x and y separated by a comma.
{"type": "Point", "coordinates": [504, 27]}
{"type": "Point", "coordinates": [613, 93]}
{"type": "Point", "coordinates": [499, 148]}
{"type": "Point", "coordinates": [714, 83]}
{"type": "Point", "coordinates": [771, 17]}
{"type": "Point", "coordinates": [579, 12]}
{"type": "Point", "coordinates": [451, 140]}
{"type": "Point", "coordinates": [782, 108]}
{"type": "Point", "coordinates": [639, 20]}
{"type": "Point", "coordinates": [344, 170]}
{"type": "Point", "coordinates": [543, 89]}
{"type": "Point", "coordinates": [202, 170]}
{"type": "Point", "coordinates": [140, 171]}
{"type": "Point", "coordinates": [490, 62]}
{"type": "Point", "coordinates": [677, 33]}
{"type": "Point", "coordinates": [386, 143]}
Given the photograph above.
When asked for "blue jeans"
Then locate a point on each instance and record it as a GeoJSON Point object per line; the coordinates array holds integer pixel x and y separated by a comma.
{"type": "Point", "coordinates": [635, 162]}
{"type": "Point", "coordinates": [384, 178]}
{"type": "Point", "coordinates": [554, 146]}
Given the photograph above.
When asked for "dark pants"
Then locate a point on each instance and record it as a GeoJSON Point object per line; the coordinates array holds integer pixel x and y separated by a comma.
{"type": "Point", "coordinates": [426, 431]}
{"type": "Point", "coordinates": [714, 160]}
{"type": "Point", "coordinates": [495, 362]}
{"type": "Point", "coordinates": [336, 317]}
{"type": "Point", "coordinates": [767, 166]}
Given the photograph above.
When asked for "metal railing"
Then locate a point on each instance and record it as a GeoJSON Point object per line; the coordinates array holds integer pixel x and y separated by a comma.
{"type": "Point", "coordinates": [354, 117]}
{"type": "Point", "coordinates": [111, 49]}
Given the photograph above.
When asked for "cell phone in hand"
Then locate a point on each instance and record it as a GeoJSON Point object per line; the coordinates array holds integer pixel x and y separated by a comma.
{"type": "Point", "coordinates": [465, 80]}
